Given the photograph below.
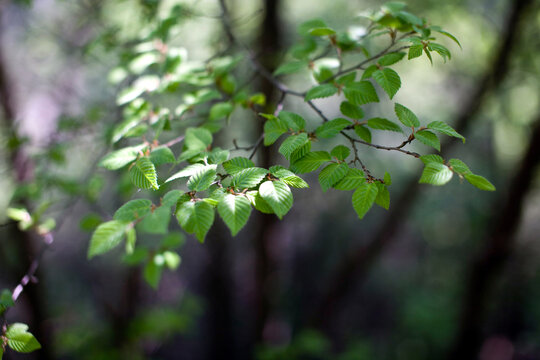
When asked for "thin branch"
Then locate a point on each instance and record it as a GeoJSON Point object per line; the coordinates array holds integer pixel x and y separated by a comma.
{"type": "Point", "coordinates": [256, 146]}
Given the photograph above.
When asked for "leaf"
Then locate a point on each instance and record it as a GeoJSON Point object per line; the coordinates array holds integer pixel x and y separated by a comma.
{"type": "Point", "coordinates": [131, 239]}
{"type": "Point", "coordinates": [202, 178]}
{"type": "Point", "coordinates": [188, 171]}
{"type": "Point", "coordinates": [273, 129]}
{"type": "Point", "coordinates": [459, 166]}
{"type": "Point", "coordinates": [172, 260]}
{"type": "Point", "coordinates": [290, 67]}
{"type": "Point", "coordinates": [237, 164]}
{"type": "Point", "coordinates": [383, 124]}
{"type": "Point", "coordinates": [431, 158]}
{"type": "Point", "coordinates": [351, 110]}
{"type": "Point", "coordinates": [6, 301]}
{"type": "Point", "coordinates": [406, 116]}
{"type": "Point", "coordinates": [106, 237]}
{"type": "Point", "coordinates": [20, 340]}
{"type": "Point", "coordinates": [387, 179]}
{"type": "Point", "coordinates": [322, 31]}
{"type": "Point", "coordinates": [294, 121]}
{"type": "Point", "coordinates": [391, 59]}
{"type": "Point", "coordinates": [436, 174]}
{"type": "Point", "coordinates": [321, 91]}
{"type": "Point", "coordinates": [162, 155]}
{"type": "Point", "coordinates": [218, 156]}
{"type": "Point", "coordinates": [196, 218]}
{"type": "Point", "coordinates": [293, 143]}
{"type": "Point", "coordinates": [353, 179]}
{"type": "Point", "coordinates": [331, 128]}
{"type": "Point", "coordinates": [248, 178]}
{"type": "Point", "coordinates": [153, 270]}
{"type": "Point", "coordinates": [415, 51]}
{"type": "Point", "coordinates": [389, 80]}
{"type": "Point", "coordinates": [157, 222]}
{"type": "Point", "coordinates": [120, 158]}
{"type": "Point", "coordinates": [369, 72]}
{"type": "Point", "coordinates": [278, 196]}
{"type": "Point", "coordinates": [220, 110]}
{"type": "Point", "coordinates": [364, 197]}
{"type": "Point", "coordinates": [171, 198]}
{"type": "Point", "coordinates": [426, 50]}
{"type": "Point", "coordinates": [383, 196]}
{"type": "Point", "coordinates": [437, 29]}
{"type": "Point", "coordinates": [295, 181]}
{"type": "Point", "coordinates": [310, 162]}
{"type": "Point", "coordinates": [332, 174]}
{"type": "Point", "coordinates": [259, 203]}
{"type": "Point", "coordinates": [480, 182]}
{"type": "Point", "coordinates": [360, 93]}
{"type": "Point", "coordinates": [143, 174]}
{"type": "Point", "coordinates": [300, 152]}
{"type": "Point", "coordinates": [197, 139]}
{"type": "Point", "coordinates": [235, 211]}
{"type": "Point", "coordinates": [441, 50]}
{"type": "Point", "coordinates": [428, 138]}
{"type": "Point", "coordinates": [340, 152]}
{"type": "Point", "coordinates": [347, 78]}
{"type": "Point", "coordinates": [444, 128]}
{"type": "Point", "coordinates": [133, 210]}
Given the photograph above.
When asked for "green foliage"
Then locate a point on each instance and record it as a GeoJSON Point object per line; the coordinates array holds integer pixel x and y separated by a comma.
{"type": "Point", "coordinates": [20, 340]}
{"type": "Point", "coordinates": [235, 211]}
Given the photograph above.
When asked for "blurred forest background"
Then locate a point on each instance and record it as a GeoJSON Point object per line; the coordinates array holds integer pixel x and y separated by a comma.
{"type": "Point", "coordinates": [446, 273]}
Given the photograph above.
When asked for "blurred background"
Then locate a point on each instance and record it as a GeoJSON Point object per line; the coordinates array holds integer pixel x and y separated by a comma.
{"type": "Point", "coordinates": [446, 273]}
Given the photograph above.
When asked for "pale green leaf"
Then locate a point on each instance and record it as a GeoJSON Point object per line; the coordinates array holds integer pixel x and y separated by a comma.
{"type": "Point", "coordinates": [188, 171]}
{"type": "Point", "coordinates": [431, 158]}
{"type": "Point", "coordinates": [310, 162]}
{"type": "Point", "coordinates": [278, 196]}
{"type": "Point", "coordinates": [120, 158]}
{"type": "Point", "coordinates": [153, 270]}
{"type": "Point", "coordinates": [131, 239]}
{"type": "Point", "coordinates": [294, 121]}
{"type": "Point", "coordinates": [406, 116]}
{"type": "Point", "coordinates": [360, 93]}
{"type": "Point", "coordinates": [331, 128]}
{"type": "Point", "coordinates": [162, 155]}
{"type": "Point", "coordinates": [106, 237]}
{"type": "Point", "coordinates": [171, 198]}
{"type": "Point", "coordinates": [220, 110]}
{"type": "Point", "coordinates": [389, 80]}
{"type": "Point", "coordinates": [196, 218]}
{"type": "Point", "coordinates": [322, 31]}
{"type": "Point", "coordinates": [172, 259]}
{"type": "Point", "coordinates": [235, 211]}
{"type": "Point", "coordinates": [293, 143]}
{"type": "Point", "coordinates": [20, 340]}
{"type": "Point", "coordinates": [143, 174]}
{"type": "Point", "coordinates": [202, 178]}
{"type": "Point", "coordinates": [480, 182]}
{"type": "Point", "coordinates": [444, 128]}
{"type": "Point", "coordinates": [383, 196]}
{"type": "Point", "coordinates": [237, 164]}
{"type": "Point", "coordinates": [133, 210]}
{"type": "Point", "coordinates": [295, 181]}
{"type": "Point", "coordinates": [321, 91]}
{"type": "Point", "coordinates": [436, 174]}
{"type": "Point", "coordinates": [273, 129]}
{"type": "Point", "coordinates": [428, 138]}
{"type": "Point", "coordinates": [291, 67]}
{"type": "Point", "coordinates": [459, 166]}
{"type": "Point", "coordinates": [353, 179]}
{"type": "Point", "coordinates": [332, 174]}
{"type": "Point", "coordinates": [364, 197]}
{"type": "Point", "coordinates": [157, 222]}
{"type": "Point", "coordinates": [197, 139]}
{"type": "Point", "coordinates": [248, 178]}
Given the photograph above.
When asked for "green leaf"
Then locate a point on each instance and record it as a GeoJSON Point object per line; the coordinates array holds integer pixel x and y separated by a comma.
{"type": "Point", "coordinates": [273, 129]}
{"type": "Point", "coordinates": [340, 152]}
{"type": "Point", "coordinates": [300, 152]}
{"type": "Point", "coordinates": [415, 51]}
{"type": "Point", "coordinates": [172, 259]}
{"type": "Point", "coordinates": [197, 139]}
{"type": "Point", "coordinates": [431, 158]}
{"type": "Point", "coordinates": [143, 174]}
{"type": "Point", "coordinates": [290, 67]}
{"type": "Point", "coordinates": [237, 164]}
{"type": "Point", "coordinates": [444, 128]}
{"type": "Point", "coordinates": [278, 196]}
{"type": "Point", "coordinates": [351, 110]}
{"type": "Point", "coordinates": [188, 171]}
{"type": "Point", "coordinates": [20, 340]}
{"type": "Point", "coordinates": [162, 155]}
{"type": "Point", "coordinates": [383, 124]}
{"type": "Point", "coordinates": [321, 91]}
{"type": "Point", "coordinates": [133, 210]}
{"type": "Point", "coordinates": [406, 116]}
{"type": "Point", "coordinates": [459, 166]}
{"type": "Point", "coordinates": [202, 178]}
{"type": "Point", "coordinates": [259, 203]}
{"type": "Point", "coordinates": [440, 31]}
{"type": "Point", "coordinates": [220, 110]}
{"type": "Point", "coordinates": [436, 174]}
{"type": "Point", "coordinates": [235, 211]}
{"type": "Point", "coordinates": [389, 80]}
{"type": "Point", "coordinates": [294, 121]}
{"type": "Point", "coordinates": [6, 301]}
{"type": "Point", "coordinates": [322, 31]}
{"type": "Point", "coordinates": [391, 59]}
{"type": "Point", "coordinates": [347, 78]}
{"type": "Point", "coordinates": [196, 218]}
{"type": "Point", "coordinates": [218, 156]}
{"type": "Point", "coordinates": [428, 138]}
{"type": "Point", "coordinates": [387, 179]}
{"type": "Point", "coordinates": [293, 143]}
{"type": "Point", "coordinates": [248, 178]}
{"type": "Point", "coordinates": [383, 196]}
{"type": "Point", "coordinates": [353, 179]}
{"type": "Point", "coordinates": [441, 50]}
{"type": "Point", "coordinates": [131, 239]}
{"type": "Point", "coordinates": [360, 93]}
{"type": "Point", "coordinates": [480, 182]}
{"type": "Point", "coordinates": [295, 181]}
{"type": "Point", "coordinates": [426, 50]}
{"type": "Point", "coordinates": [157, 222]}
{"type": "Point", "coordinates": [369, 72]}
{"type": "Point", "coordinates": [363, 133]}
{"type": "Point", "coordinates": [173, 240]}
{"type": "Point", "coordinates": [153, 270]}
{"type": "Point", "coordinates": [331, 128]}
{"type": "Point", "coordinates": [332, 174]}
{"type": "Point", "coordinates": [120, 158]}
{"type": "Point", "coordinates": [171, 198]}
{"type": "Point", "coordinates": [106, 237]}
{"type": "Point", "coordinates": [310, 162]}
{"type": "Point", "coordinates": [364, 197]}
